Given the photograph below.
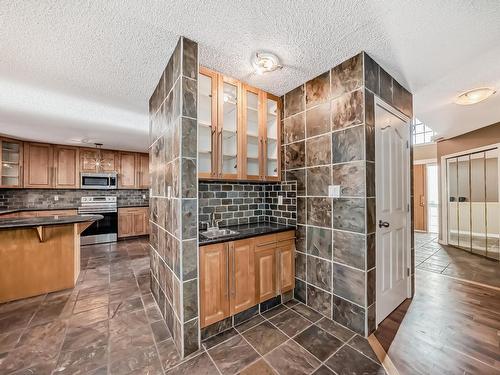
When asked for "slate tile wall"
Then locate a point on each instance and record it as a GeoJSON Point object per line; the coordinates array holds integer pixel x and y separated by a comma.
{"type": "Point", "coordinates": [246, 203]}
{"type": "Point", "coordinates": [329, 139]}
{"type": "Point", "coordinates": [67, 198]}
{"type": "Point", "coordinates": [173, 203]}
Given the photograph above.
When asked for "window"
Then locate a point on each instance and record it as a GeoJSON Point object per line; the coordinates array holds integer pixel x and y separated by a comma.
{"type": "Point", "coordinates": [422, 134]}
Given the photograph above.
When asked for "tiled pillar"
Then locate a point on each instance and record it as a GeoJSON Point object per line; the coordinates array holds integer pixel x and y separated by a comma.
{"type": "Point", "coordinates": [328, 138]}
{"type": "Point", "coordinates": [174, 192]}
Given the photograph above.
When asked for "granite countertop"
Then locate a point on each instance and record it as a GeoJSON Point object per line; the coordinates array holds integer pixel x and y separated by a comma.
{"type": "Point", "coordinates": [132, 205]}
{"type": "Point", "coordinates": [246, 231]}
{"type": "Point", "coordinates": [44, 221]}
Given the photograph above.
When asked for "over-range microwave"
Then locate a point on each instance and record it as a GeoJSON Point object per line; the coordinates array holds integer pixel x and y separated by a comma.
{"type": "Point", "coordinates": [103, 181]}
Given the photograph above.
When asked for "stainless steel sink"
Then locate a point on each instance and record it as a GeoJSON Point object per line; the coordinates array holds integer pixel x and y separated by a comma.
{"type": "Point", "coordinates": [217, 233]}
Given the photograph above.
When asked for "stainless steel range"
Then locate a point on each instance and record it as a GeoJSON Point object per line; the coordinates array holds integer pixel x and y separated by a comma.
{"type": "Point", "coordinates": [105, 230]}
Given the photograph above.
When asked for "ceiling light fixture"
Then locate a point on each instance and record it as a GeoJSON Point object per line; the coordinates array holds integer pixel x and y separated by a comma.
{"type": "Point", "coordinates": [265, 62]}
{"type": "Point", "coordinates": [474, 96]}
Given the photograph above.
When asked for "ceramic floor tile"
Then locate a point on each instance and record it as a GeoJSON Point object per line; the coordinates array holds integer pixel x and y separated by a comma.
{"type": "Point", "coordinates": [335, 329]}
{"type": "Point", "coordinates": [264, 337]}
{"type": "Point", "coordinates": [307, 312]}
{"type": "Point", "coordinates": [233, 355]}
{"type": "Point", "coordinates": [258, 368]}
{"type": "Point", "coordinates": [291, 359]}
{"type": "Point", "coordinates": [318, 342]}
{"type": "Point", "coordinates": [348, 361]}
{"type": "Point", "coordinates": [249, 323]}
{"type": "Point", "coordinates": [199, 365]}
{"type": "Point", "coordinates": [290, 322]}
{"type": "Point", "coordinates": [219, 338]}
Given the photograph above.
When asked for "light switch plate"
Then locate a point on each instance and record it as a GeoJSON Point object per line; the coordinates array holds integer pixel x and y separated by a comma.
{"type": "Point", "coordinates": [334, 191]}
{"type": "Point", "coordinates": [280, 199]}
{"type": "Point", "coordinates": [169, 192]}
{"type": "Point", "coordinates": [56, 197]}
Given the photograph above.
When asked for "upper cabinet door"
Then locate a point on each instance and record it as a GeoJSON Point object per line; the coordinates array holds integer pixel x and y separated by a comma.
{"type": "Point", "coordinates": [272, 143]}
{"type": "Point", "coordinates": [207, 123]}
{"type": "Point", "coordinates": [89, 161]}
{"type": "Point", "coordinates": [229, 120]}
{"type": "Point", "coordinates": [38, 165]}
{"type": "Point", "coordinates": [11, 162]}
{"type": "Point", "coordinates": [127, 173]}
{"type": "Point", "coordinates": [251, 134]}
{"type": "Point", "coordinates": [142, 167]}
{"type": "Point", "coordinates": [66, 163]}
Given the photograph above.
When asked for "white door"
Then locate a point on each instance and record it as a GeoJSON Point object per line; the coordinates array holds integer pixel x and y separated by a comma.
{"type": "Point", "coordinates": [392, 168]}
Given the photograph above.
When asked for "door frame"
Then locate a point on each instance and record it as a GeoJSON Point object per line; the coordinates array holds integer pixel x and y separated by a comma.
{"type": "Point", "coordinates": [443, 235]}
{"type": "Point", "coordinates": [409, 121]}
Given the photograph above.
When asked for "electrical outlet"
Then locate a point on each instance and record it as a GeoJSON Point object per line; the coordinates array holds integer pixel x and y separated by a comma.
{"type": "Point", "coordinates": [143, 196]}
{"type": "Point", "coordinates": [169, 192]}
{"type": "Point", "coordinates": [334, 191]}
{"type": "Point", "coordinates": [280, 199]}
{"type": "Point", "coordinates": [56, 197]}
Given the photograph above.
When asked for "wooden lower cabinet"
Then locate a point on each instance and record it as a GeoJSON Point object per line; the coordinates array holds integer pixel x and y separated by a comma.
{"type": "Point", "coordinates": [242, 271]}
{"type": "Point", "coordinates": [237, 275]}
{"type": "Point", "coordinates": [214, 283]}
{"type": "Point", "coordinates": [133, 221]}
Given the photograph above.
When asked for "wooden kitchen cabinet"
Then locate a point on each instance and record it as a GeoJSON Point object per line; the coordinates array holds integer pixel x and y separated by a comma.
{"type": "Point", "coordinates": [214, 283]}
{"type": "Point", "coordinates": [133, 221]}
{"type": "Point", "coordinates": [237, 275]}
{"type": "Point", "coordinates": [142, 166]}
{"type": "Point", "coordinates": [242, 271]}
{"type": "Point", "coordinates": [227, 280]}
{"type": "Point", "coordinates": [285, 254]}
{"type": "Point", "coordinates": [66, 167]}
{"type": "Point", "coordinates": [11, 161]}
{"type": "Point", "coordinates": [38, 165]}
{"type": "Point", "coordinates": [127, 176]}
{"type": "Point", "coordinates": [239, 132]}
{"type": "Point", "coordinates": [89, 156]}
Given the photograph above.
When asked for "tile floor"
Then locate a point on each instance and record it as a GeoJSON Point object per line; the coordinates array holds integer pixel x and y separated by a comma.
{"type": "Point", "coordinates": [109, 324]}
{"type": "Point", "coordinates": [448, 260]}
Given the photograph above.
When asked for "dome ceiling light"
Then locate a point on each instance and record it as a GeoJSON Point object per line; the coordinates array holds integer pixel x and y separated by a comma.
{"type": "Point", "coordinates": [265, 62]}
{"type": "Point", "coordinates": [474, 96]}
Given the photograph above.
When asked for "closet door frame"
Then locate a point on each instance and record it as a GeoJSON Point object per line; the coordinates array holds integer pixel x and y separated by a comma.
{"type": "Point", "coordinates": [444, 186]}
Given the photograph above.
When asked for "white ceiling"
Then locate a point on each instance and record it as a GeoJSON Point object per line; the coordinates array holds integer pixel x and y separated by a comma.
{"type": "Point", "coordinates": [84, 70]}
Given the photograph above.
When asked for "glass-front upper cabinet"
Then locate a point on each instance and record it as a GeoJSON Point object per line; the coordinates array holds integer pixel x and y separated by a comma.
{"type": "Point", "coordinates": [207, 123]}
{"type": "Point", "coordinates": [252, 137]}
{"type": "Point", "coordinates": [272, 138]}
{"type": "Point", "coordinates": [228, 126]}
{"type": "Point", "coordinates": [11, 162]}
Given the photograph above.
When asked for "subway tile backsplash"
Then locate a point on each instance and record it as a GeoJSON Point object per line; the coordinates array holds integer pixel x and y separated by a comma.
{"type": "Point", "coordinates": [12, 199]}
{"type": "Point", "coordinates": [245, 203]}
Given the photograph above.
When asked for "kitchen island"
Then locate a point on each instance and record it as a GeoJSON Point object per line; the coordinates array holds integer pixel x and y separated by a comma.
{"type": "Point", "coordinates": [40, 254]}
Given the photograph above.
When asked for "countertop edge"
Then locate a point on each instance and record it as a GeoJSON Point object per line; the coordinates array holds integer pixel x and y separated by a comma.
{"type": "Point", "coordinates": [18, 223]}
{"type": "Point", "coordinates": [242, 236]}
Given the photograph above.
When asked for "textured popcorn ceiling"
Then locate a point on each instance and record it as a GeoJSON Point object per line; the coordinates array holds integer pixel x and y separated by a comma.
{"type": "Point", "coordinates": [84, 70]}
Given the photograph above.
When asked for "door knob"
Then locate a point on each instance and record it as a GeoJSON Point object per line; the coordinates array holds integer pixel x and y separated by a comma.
{"type": "Point", "coordinates": [383, 224]}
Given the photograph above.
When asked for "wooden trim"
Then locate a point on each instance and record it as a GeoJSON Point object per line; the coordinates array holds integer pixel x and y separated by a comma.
{"type": "Point", "coordinates": [214, 76]}
{"type": "Point", "coordinates": [220, 126]}
{"type": "Point", "coordinates": [278, 136]}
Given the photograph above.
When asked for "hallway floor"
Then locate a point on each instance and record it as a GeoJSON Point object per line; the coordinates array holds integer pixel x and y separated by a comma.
{"type": "Point", "coordinates": [449, 327]}
{"type": "Point", "coordinates": [450, 261]}
{"type": "Point", "coordinates": [109, 324]}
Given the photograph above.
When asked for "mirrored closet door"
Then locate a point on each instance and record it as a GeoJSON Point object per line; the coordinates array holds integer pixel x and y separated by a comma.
{"type": "Point", "coordinates": [473, 202]}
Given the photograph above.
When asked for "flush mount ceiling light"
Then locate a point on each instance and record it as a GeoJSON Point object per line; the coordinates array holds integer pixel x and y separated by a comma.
{"type": "Point", "coordinates": [265, 62]}
{"type": "Point", "coordinates": [474, 96]}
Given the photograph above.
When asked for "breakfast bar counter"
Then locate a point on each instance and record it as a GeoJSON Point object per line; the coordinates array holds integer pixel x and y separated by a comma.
{"type": "Point", "coordinates": [40, 255]}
